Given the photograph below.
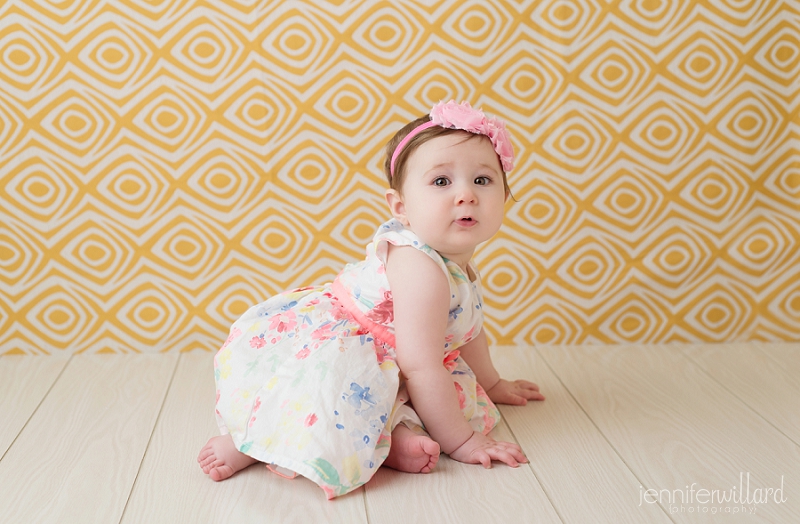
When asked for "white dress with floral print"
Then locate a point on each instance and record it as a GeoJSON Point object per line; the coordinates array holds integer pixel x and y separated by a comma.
{"type": "Point", "coordinates": [308, 381]}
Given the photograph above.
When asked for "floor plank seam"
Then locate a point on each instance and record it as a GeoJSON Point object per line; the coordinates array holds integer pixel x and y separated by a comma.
{"type": "Point", "coordinates": [533, 471]}
{"type": "Point", "coordinates": [743, 401]}
{"type": "Point", "coordinates": [150, 437]}
{"type": "Point", "coordinates": [364, 500]}
{"type": "Point", "coordinates": [605, 437]}
{"type": "Point", "coordinates": [41, 401]}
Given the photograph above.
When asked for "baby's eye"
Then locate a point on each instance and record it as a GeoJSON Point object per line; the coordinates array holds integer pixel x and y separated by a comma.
{"type": "Point", "coordinates": [441, 181]}
{"type": "Point", "coordinates": [483, 181]}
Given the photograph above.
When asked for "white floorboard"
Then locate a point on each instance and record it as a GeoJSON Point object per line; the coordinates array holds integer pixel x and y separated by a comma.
{"type": "Point", "coordinates": [114, 438]}
{"type": "Point", "coordinates": [77, 457]}
{"type": "Point", "coordinates": [580, 471]}
{"type": "Point", "coordinates": [766, 377]}
{"type": "Point", "coordinates": [24, 382]}
{"type": "Point", "coordinates": [673, 426]}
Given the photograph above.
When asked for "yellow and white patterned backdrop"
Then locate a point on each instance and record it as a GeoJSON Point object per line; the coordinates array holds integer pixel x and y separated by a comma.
{"type": "Point", "coordinates": [164, 164]}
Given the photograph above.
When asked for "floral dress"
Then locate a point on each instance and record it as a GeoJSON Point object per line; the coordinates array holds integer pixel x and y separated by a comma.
{"type": "Point", "coordinates": [308, 381]}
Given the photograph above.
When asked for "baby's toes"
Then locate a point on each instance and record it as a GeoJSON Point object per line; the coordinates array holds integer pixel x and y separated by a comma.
{"type": "Point", "coordinates": [431, 447]}
{"type": "Point", "coordinates": [434, 459]}
{"type": "Point", "coordinates": [206, 460]}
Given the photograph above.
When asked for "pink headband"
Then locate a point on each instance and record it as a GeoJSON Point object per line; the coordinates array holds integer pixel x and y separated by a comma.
{"type": "Point", "coordinates": [462, 116]}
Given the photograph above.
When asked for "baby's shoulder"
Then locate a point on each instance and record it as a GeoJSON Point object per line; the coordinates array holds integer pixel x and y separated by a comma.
{"type": "Point", "coordinates": [394, 233]}
{"type": "Point", "coordinates": [415, 279]}
{"type": "Point", "coordinates": [412, 259]}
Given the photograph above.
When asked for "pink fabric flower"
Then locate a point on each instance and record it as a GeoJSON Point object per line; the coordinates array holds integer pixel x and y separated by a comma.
{"type": "Point", "coordinates": [323, 333]}
{"type": "Point", "coordinates": [463, 116]}
{"type": "Point", "coordinates": [468, 336]}
{"type": "Point", "coordinates": [284, 322]}
{"type": "Point", "coordinates": [382, 353]}
{"type": "Point", "coordinates": [383, 312]}
{"type": "Point", "coordinates": [459, 116]}
{"type": "Point", "coordinates": [462, 397]}
{"type": "Point", "coordinates": [449, 361]}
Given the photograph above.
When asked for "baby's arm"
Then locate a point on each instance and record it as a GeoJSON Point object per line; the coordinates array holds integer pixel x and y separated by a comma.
{"type": "Point", "coordinates": [421, 305]}
{"type": "Point", "coordinates": [501, 391]}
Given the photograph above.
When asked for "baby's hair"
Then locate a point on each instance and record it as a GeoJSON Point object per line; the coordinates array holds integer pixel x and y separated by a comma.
{"type": "Point", "coordinates": [396, 181]}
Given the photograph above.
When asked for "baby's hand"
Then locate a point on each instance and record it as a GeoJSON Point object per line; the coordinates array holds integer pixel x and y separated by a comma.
{"type": "Point", "coordinates": [517, 393]}
{"type": "Point", "coordinates": [480, 449]}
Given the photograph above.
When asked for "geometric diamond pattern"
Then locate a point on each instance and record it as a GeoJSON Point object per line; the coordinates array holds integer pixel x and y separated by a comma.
{"type": "Point", "coordinates": [165, 165]}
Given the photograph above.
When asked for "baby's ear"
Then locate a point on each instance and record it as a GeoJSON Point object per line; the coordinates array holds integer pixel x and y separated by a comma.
{"type": "Point", "coordinates": [396, 205]}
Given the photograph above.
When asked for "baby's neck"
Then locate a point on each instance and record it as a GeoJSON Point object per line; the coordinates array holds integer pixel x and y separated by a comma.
{"type": "Point", "coordinates": [464, 266]}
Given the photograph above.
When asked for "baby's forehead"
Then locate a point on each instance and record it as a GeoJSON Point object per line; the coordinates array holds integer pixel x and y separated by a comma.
{"type": "Point", "coordinates": [453, 147]}
{"type": "Point", "coordinates": [444, 144]}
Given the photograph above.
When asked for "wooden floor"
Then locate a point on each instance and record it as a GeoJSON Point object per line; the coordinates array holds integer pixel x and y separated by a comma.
{"type": "Point", "coordinates": [113, 438]}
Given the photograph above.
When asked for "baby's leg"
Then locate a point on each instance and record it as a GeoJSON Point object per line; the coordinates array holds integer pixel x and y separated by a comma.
{"type": "Point", "coordinates": [220, 459]}
{"type": "Point", "coordinates": [410, 452]}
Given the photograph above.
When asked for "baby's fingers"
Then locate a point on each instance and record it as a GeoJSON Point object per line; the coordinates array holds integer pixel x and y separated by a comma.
{"type": "Point", "coordinates": [511, 453]}
{"type": "Point", "coordinates": [517, 399]}
{"type": "Point", "coordinates": [483, 457]}
{"type": "Point", "coordinates": [527, 385]}
{"type": "Point", "coordinates": [518, 455]}
{"type": "Point", "coordinates": [515, 451]}
{"type": "Point", "coordinates": [531, 394]}
{"type": "Point", "coordinates": [508, 456]}
{"type": "Point", "coordinates": [528, 390]}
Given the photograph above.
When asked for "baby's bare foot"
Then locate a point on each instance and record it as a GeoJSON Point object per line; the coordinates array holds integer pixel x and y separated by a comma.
{"type": "Point", "coordinates": [220, 459]}
{"type": "Point", "coordinates": [412, 453]}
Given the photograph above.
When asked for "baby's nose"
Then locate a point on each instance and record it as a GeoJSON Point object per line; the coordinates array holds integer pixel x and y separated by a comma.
{"type": "Point", "coordinates": [466, 195]}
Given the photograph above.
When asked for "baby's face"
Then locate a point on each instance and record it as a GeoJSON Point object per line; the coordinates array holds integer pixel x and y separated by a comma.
{"type": "Point", "coordinates": [453, 194]}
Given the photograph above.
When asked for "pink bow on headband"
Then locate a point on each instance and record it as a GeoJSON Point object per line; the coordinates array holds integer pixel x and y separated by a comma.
{"type": "Point", "coordinates": [463, 116]}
